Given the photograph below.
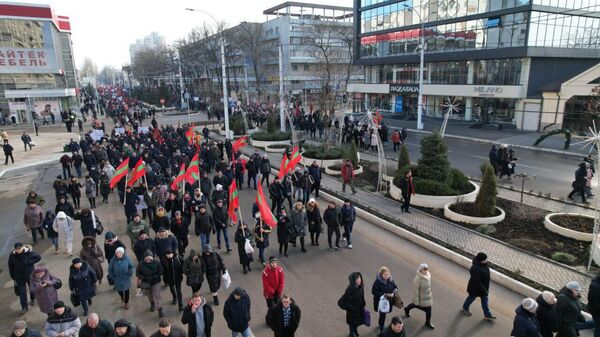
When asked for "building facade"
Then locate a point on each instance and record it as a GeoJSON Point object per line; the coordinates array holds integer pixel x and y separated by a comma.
{"type": "Point", "coordinates": [151, 41]}
{"type": "Point", "coordinates": [495, 63]}
{"type": "Point", "coordinates": [37, 70]}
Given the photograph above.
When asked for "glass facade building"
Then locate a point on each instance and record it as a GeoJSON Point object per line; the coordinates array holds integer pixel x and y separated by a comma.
{"type": "Point", "coordinates": [492, 56]}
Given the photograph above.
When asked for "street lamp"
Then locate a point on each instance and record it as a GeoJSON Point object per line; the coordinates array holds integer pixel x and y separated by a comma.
{"type": "Point", "coordinates": [224, 80]}
{"type": "Point", "coordinates": [421, 67]}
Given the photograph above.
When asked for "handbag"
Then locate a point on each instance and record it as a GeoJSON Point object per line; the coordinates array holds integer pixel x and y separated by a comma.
{"type": "Point", "coordinates": [367, 318]}
{"type": "Point", "coordinates": [58, 284]}
{"type": "Point", "coordinates": [248, 247]}
{"type": "Point", "coordinates": [384, 305]}
{"type": "Point", "coordinates": [397, 300]}
{"type": "Point", "coordinates": [97, 224]}
{"type": "Point", "coordinates": [226, 278]}
{"type": "Point", "coordinates": [75, 299]}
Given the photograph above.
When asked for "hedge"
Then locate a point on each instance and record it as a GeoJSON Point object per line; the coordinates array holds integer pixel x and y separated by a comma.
{"type": "Point", "coordinates": [273, 137]}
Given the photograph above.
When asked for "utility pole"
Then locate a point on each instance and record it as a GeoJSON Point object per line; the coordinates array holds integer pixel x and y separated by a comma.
{"type": "Point", "coordinates": [225, 102]}
{"type": "Point", "coordinates": [281, 100]}
{"type": "Point", "coordinates": [246, 83]}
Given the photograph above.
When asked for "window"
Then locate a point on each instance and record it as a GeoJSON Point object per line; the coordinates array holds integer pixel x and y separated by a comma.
{"type": "Point", "coordinates": [294, 67]}
{"type": "Point", "coordinates": [295, 40]}
{"type": "Point", "coordinates": [306, 67]}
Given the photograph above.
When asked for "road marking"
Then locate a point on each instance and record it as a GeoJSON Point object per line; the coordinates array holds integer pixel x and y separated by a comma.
{"type": "Point", "coordinates": [518, 164]}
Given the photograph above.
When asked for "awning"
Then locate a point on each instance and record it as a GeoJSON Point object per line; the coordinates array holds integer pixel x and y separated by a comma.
{"type": "Point", "coordinates": [41, 93]}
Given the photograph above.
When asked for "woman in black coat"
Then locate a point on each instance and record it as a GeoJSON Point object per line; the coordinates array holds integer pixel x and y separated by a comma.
{"type": "Point", "coordinates": [315, 221]}
{"type": "Point", "coordinates": [284, 229]}
{"type": "Point", "coordinates": [214, 269]}
{"type": "Point", "coordinates": [545, 313]}
{"type": "Point", "coordinates": [82, 281]}
{"type": "Point", "coordinates": [353, 302]}
{"type": "Point", "coordinates": [172, 266]}
{"type": "Point", "coordinates": [241, 235]}
{"type": "Point", "coordinates": [384, 285]}
{"type": "Point", "coordinates": [261, 234]}
{"type": "Point", "coordinates": [479, 285]}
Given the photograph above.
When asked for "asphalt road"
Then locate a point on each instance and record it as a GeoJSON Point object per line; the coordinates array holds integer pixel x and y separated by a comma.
{"type": "Point", "coordinates": [315, 279]}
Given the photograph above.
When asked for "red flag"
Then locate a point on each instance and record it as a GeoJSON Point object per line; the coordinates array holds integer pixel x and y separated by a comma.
{"type": "Point", "coordinates": [180, 177]}
{"type": "Point", "coordinates": [283, 166]}
{"type": "Point", "coordinates": [378, 118]}
{"type": "Point", "coordinates": [138, 171]}
{"type": "Point", "coordinates": [295, 158]}
{"type": "Point", "coordinates": [193, 171]}
{"type": "Point", "coordinates": [189, 134]}
{"type": "Point", "coordinates": [234, 201]}
{"type": "Point", "coordinates": [239, 143]}
{"type": "Point", "coordinates": [263, 207]}
{"type": "Point", "coordinates": [120, 172]}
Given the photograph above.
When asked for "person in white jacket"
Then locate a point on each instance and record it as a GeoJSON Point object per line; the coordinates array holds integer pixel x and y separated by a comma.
{"type": "Point", "coordinates": [62, 322]}
{"type": "Point", "coordinates": [63, 225]}
{"type": "Point", "coordinates": [108, 169]}
{"type": "Point", "coordinates": [422, 297]}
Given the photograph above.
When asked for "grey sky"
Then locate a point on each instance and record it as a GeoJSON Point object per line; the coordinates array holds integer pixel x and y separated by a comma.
{"type": "Point", "coordinates": [104, 29]}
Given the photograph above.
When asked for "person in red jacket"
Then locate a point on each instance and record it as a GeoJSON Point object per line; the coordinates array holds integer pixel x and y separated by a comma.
{"type": "Point", "coordinates": [348, 176]}
{"type": "Point", "coordinates": [273, 282]}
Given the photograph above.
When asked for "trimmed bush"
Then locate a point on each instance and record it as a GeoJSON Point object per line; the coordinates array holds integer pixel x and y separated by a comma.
{"type": "Point", "coordinates": [322, 152]}
{"type": "Point", "coordinates": [272, 123]}
{"type": "Point", "coordinates": [485, 203]}
{"type": "Point", "coordinates": [486, 229]}
{"type": "Point", "coordinates": [271, 136]}
{"type": "Point", "coordinates": [351, 153]}
{"type": "Point", "coordinates": [403, 158]}
{"type": "Point", "coordinates": [434, 164]}
{"type": "Point", "coordinates": [237, 125]}
{"type": "Point", "coordinates": [565, 258]}
{"type": "Point", "coordinates": [431, 187]}
{"type": "Point", "coordinates": [459, 182]}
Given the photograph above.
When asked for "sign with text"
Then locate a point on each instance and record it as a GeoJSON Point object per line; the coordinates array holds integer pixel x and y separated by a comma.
{"type": "Point", "coordinates": [487, 91]}
{"type": "Point", "coordinates": [31, 60]}
{"type": "Point", "coordinates": [403, 88]}
{"type": "Point", "coordinates": [119, 131]}
{"type": "Point", "coordinates": [97, 135]}
{"type": "Point", "coordinates": [143, 129]}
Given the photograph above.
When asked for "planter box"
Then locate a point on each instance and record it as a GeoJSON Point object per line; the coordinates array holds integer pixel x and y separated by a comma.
{"type": "Point", "coordinates": [268, 148]}
{"type": "Point", "coordinates": [265, 143]}
{"type": "Point", "coordinates": [222, 133]}
{"type": "Point", "coordinates": [434, 201]}
{"type": "Point", "coordinates": [581, 236]}
{"type": "Point", "coordinates": [323, 163]}
{"type": "Point", "coordinates": [332, 172]}
{"type": "Point", "coordinates": [387, 178]}
{"type": "Point", "coordinates": [252, 131]}
{"type": "Point", "coordinates": [474, 220]}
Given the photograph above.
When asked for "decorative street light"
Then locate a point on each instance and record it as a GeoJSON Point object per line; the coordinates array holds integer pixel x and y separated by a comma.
{"type": "Point", "coordinates": [224, 74]}
{"type": "Point", "coordinates": [421, 68]}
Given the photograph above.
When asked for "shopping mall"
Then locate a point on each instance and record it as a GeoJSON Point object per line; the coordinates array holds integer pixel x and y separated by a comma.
{"type": "Point", "coordinates": [37, 71]}
{"type": "Point", "coordinates": [524, 64]}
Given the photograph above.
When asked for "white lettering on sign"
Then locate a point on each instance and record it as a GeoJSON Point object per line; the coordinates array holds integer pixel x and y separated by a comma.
{"type": "Point", "coordinates": [21, 60]}
{"type": "Point", "coordinates": [487, 91]}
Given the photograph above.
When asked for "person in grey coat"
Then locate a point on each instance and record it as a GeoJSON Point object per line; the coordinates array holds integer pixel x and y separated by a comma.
{"type": "Point", "coordinates": [90, 191]}
{"type": "Point", "coordinates": [299, 222]}
{"type": "Point", "coordinates": [120, 271]}
{"type": "Point", "coordinates": [62, 322]}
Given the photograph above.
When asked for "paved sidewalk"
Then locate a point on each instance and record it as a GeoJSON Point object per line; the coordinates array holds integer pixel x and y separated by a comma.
{"type": "Point", "coordinates": [538, 269]}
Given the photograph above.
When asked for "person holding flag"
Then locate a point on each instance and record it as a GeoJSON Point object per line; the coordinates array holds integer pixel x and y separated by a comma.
{"type": "Point", "coordinates": [121, 171]}
{"type": "Point", "coordinates": [221, 220]}
{"type": "Point", "coordinates": [261, 235]}
{"type": "Point", "coordinates": [242, 235]}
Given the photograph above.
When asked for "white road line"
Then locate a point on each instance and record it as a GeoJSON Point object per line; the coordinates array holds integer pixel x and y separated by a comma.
{"type": "Point", "coordinates": [518, 164]}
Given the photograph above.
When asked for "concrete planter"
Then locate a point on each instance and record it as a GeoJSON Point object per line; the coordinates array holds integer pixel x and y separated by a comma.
{"type": "Point", "coordinates": [581, 236]}
{"type": "Point", "coordinates": [252, 131]}
{"type": "Point", "coordinates": [268, 148]}
{"type": "Point", "coordinates": [265, 143]}
{"type": "Point", "coordinates": [474, 220]}
{"type": "Point", "coordinates": [387, 178]}
{"type": "Point", "coordinates": [332, 172]}
{"type": "Point", "coordinates": [434, 201]}
{"type": "Point", "coordinates": [222, 133]}
{"type": "Point", "coordinates": [323, 163]}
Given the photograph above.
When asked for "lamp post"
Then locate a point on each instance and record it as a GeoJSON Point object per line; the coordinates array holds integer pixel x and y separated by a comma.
{"type": "Point", "coordinates": [224, 73]}
{"type": "Point", "coordinates": [421, 68]}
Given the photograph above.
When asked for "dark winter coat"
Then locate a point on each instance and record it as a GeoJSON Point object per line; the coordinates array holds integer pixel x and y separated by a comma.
{"type": "Point", "coordinates": [179, 228]}
{"type": "Point", "coordinates": [121, 271]}
{"type": "Point", "coordinates": [348, 215]}
{"type": "Point", "coordinates": [28, 333]}
{"type": "Point", "coordinates": [172, 269]}
{"type": "Point", "coordinates": [299, 221]}
{"type": "Point", "coordinates": [262, 241]}
{"type": "Point", "coordinates": [175, 332]}
{"type": "Point", "coordinates": [240, 237]}
{"type": "Point", "coordinates": [315, 220]}
{"type": "Point", "coordinates": [161, 221]}
{"type": "Point", "coordinates": [525, 324]}
{"type": "Point", "coordinates": [274, 318]}
{"type": "Point", "coordinates": [545, 317]}
{"type": "Point", "coordinates": [47, 224]}
{"type": "Point", "coordinates": [204, 223]}
{"type": "Point", "coordinates": [265, 166]}
{"type": "Point", "coordinates": [132, 330]}
{"type": "Point", "coordinates": [45, 296]}
{"type": "Point", "coordinates": [194, 270]}
{"type": "Point", "coordinates": [567, 313]}
{"type": "Point", "coordinates": [214, 269]}
{"type": "Point", "coordinates": [20, 266]}
{"type": "Point", "coordinates": [111, 248]}
{"type": "Point", "coordinates": [353, 301]}
{"type": "Point", "coordinates": [87, 224]}
{"type": "Point", "coordinates": [66, 207]}
{"type": "Point", "coordinates": [479, 283]}
{"type": "Point", "coordinates": [141, 246]}
{"type": "Point", "coordinates": [83, 281]}
{"type": "Point", "coordinates": [165, 244]}
{"type": "Point", "coordinates": [237, 312]}
{"type": "Point", "coordinates": [332, 217]}
{"type": "Point", "coordinates": [189, 318]}
{"type": "Point", "coordinates": [315, 172]}
{"type": "Point", "coordinates": [149, 272]}
{"type": "Point", "coordinates": [389, 333]}
{"type": "Point", "coordinates": [284, 229]}
{"type": "Point", "coordinates": [220, 217]}
{"type": "Point", "coordinates": [594, 297]}
{"type": "Point", "coordinates": [104, 329]}
{"type": "Point", "coordinates": [276, 191]}
{"type": "Point", "coordinates": [381, 287]}
{"type": "Point", "coordinates": [93, 256]}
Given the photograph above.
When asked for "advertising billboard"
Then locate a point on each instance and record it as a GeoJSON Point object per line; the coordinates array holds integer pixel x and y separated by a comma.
{"type": "Point", "coordinates": [31, 60]}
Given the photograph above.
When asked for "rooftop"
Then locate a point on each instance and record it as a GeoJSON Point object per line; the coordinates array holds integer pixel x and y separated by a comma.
{"type": "Point", "coordinates": [310, 11]}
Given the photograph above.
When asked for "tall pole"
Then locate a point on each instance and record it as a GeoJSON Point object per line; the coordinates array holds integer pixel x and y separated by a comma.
{"type": "Point", "coordinates": [181, 91]}
{"type": "Point", "coordinates": [225, 103]}
{"type": "Point", "coordinates": [421, 68]}
{"type": "Point", "coordinates": [281, 101]}
{"type": "Point", "coordinates": [246, 84]}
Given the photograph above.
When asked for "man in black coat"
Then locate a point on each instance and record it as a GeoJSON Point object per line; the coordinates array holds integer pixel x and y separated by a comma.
{"type": "Point", "coordinates": [143, 244]}
{"type": "Point", "coordinates": [332, 217]}
{"type": "Point", "coordinates": [276, 194]}
{"type": "Point", "coordinates": [21, 263]}
{"type": "Point", "coordinates": [284, 317]}
{"type": "Point", "coordinates": [594, 301]}
{"type": "Point", "coordinates": [237, 312]}
{"type": "Point", "coordinates": [395, 329]}
{"type": "Point", "coordinates": [173, 275]}
{"type": "Point", "coordinates": [166, 329]}
{"type": "Point", "coordinates": [203, 225]}
{"type": "Point", "coordinates": [221, 219]}
{"type": "Point", "coordinates": [95, 327]}
{"type": "Point", "coordinates": [190, 314]}
{"type": "Point", "coordinates": [479, 285]}
{"type": "Point", "coordinates": [165, 241]}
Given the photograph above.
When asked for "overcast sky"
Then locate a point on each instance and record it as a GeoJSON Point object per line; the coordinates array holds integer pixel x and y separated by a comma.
{"type": "Point", "coordinates": [103, 30]}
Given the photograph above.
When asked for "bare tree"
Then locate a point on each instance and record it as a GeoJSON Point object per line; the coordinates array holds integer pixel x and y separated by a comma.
{"type": "Point", "coordinates": [148, 64]}
{"type": "Point", "coordinates": [250, 40]}
{"type": "Point", "coordinates": [88, 68]}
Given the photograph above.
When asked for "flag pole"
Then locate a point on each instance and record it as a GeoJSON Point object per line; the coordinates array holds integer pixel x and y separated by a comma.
{"type": "Point", "coordinates": [125, 191]}
{"type": "Point", "coordinates": [183, 196]}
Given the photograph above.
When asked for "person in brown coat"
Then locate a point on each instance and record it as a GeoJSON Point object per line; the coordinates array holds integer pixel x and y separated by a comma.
{"type": "Point", "coordinates": [43, 287]}
{"type": "Point", "coordinates": [93, 255]}
{"type": "Point", "coordinates": [33, 216]}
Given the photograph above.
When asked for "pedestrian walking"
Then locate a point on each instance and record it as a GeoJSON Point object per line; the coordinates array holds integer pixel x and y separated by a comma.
{"type": "Point", "coordinates": [243, 234]}
{"type": "Point", "coordinates": [348, 216]}
{"type": "Point", "coordinates": [148, 274]}
{"type": "Point", "coordinates": [395, 329]}
{"type": "Point", "coordinates": [261, 234]}
{"type": "Point", "coordinates": [221, 221]}
{"type": "Point", "coordinates": [143, 244]}
{"type": "Point", "coordinates": [47, 226]}
{"type": "Point", "coordinates": [92, 254]}
{"type": "Point", "coordinates": [408, 189]}
{"type": "Point", "coordinates": [194, 269]}
{"type": "Point", "coordinates": [299, 220]}
{"type": "Point", "coordinates": [284, 317]}
{"type": "Point", "coordinates": [63, 225]}
{"type": "Point", "coordinates": [82, 282]}
{"type": "Point", "coordinates": [90, 191]}
{"type": "Point", "coordinates": [33, 216]}
{"type": "Point", "coordinates": [89, 222]}
{"type": "Point", "coordinates": [21, 263]}
{"type": "Point", "coordinates": [315, 172]}
{"type": "Point", "coordinates": [135, 227]}
{"type": "Point", "coordinates": [479, 285]}
{"type": "Point", "coordinates": [172, 267]}
{"type": "Point", "coordinates": [525, 322]}
{"type": "Point", "coordinates": [348, 176]}
{"type": "Point", "coordinates": [273, 280]}
{"type": "Point", "coordinates": [63, 205]}
{"type": "Point", "coordinates": [8, 150]}
{"type": "Point", "coordinates": [276, 194]}
{"type": "Point", "coordinates": [20, 329]}
{"type": "Point", "coordinates": [383, 287]}
{"type": "Point", "coordinates": [124, 328]}
{"type": "Point", "coordinates": [579, 183]}
{"type": "Point", "coordinates": [215, 268]}
{"type": "Point", "coordinates": [265, 169]}
{"type": "Point", "coordinates": [94, 326]}
{"type": "Point", "coordinates": [493, 156]}
{"type": "Point", "coordinates": [422, 297]}
{"type": "Point", "coordinates": [199, 317]}
{"type": "Point", "coordinates": [36, 198]}
{"type": "Point", "coordinates": [43, 286]}
{"type": "Point", "coordinates": [236, 312]}
{"type": "Point", "coordinates": [166, 329]}
{"type": "Point", "coordinates": [396, 140]}
{"type": "Point", "coordinates": [161, 220]}
{"type": "Point", "coordinates": [104, 187]}
{"type": "Point", "coordinates": [65, 162]}
{"type": "Point", "coordinates": [567, 311]}
{"type": "Point", "coordinates": [203, 225]}
{"type": "Point", "coordinates": [545, 313]}
{"type": "Point", "coordinates": [75, 191]}
{"type": "Point", "coordinates": [63, 322]}
{"type": "Point", "coordinates": [111, 244]}
{"type": "Point", "coordinates": [179, 228]}
{"type": "Point", "coordinates": [332, 219]}
{"type": "Point", "coordinates": [315, 221]}
{"type": "Point", "coordinates": [285, 231]}
{"type": "Point", "coordinates": [26, 139]}
{"type": "Point", "coordinates": [120, 271]}
{"type": "Point", "coordinates": [165, 241]}
{"type": "Point", "coordinates": [353, 302]}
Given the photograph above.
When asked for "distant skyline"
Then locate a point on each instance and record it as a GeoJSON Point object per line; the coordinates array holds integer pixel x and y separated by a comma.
{"type": "Point", "coordinates": [104, 30]}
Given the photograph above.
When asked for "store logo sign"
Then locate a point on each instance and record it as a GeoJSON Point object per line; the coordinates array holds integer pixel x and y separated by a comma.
{"type": "Point", "coordinates": [399, 89]}
{"type": "Point", "coordinates": [487, 91]}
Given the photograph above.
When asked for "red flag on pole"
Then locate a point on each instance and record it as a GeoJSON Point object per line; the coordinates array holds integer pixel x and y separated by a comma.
{"type": "Point", "coordinates": [180, 177]}
{"type": "Point", "coordinates": [263, 207]}
{"type": "Point", "coordinates": [283, 166]}
{"type": "Point", "coordinates": [234, 201]}
{"type": "Point", "coordinates": [189, 134]}
{"type": "Point", "coordinates": [120, 172]}
{"type": "Point", "coordinates": [138, 171]}
{"type": "Point", "coordinates": [239, 143]}
{"type": "Point", "coordinates": [295, 158]}
{"type": "Point", "coordinates": [193, 171]}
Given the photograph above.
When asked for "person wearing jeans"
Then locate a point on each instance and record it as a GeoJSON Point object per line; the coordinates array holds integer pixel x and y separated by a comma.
{"type": "Point", "coordinates": [203, 225]}
{"type": "Point", "coordinates": [332, 218]}
{"type": "Point", "coordinates": [348, 218]}
{"type": "Point", "coordinates": [384, 286]}
{"type": "Point", "coordinates": [479, 285]}
{"type": "Point", "coordinates": [221, 219]}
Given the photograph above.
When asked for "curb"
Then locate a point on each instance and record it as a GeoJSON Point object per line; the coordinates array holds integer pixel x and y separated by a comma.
{"type": "Point", "coordinates": [488, 141]}
{"type": "Point", "coordinates": [45, 161]}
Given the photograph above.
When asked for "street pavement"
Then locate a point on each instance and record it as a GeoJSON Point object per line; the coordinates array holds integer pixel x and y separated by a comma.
{"type": "Point", "coordinates": [315, 279]}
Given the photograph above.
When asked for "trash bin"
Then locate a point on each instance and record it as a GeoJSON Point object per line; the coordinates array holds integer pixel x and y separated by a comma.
{"type": "Point", "coordinates": [66, 148]}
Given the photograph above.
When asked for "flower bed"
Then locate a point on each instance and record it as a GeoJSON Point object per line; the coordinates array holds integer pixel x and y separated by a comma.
{"type": "Point", "coordinates": [277, 148]}
{"type": "Point", "coordinates": [336, 170]}
{"type": "Point", "coordinates": [572, 225]}
{"type": "Point", "coordinates": [432, 201]}
{"type": "Point", "coordinates": [465, 212]}
{"type": "Point", "coordinates": [264, 139]}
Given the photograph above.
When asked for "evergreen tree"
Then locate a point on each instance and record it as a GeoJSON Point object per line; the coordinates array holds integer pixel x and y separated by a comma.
{"type": "Point", "coordinates": [404, 158]}
{"type": "Point", "coordinates": [485, 203]}
{"type": "Point", "coordinates": [434, 164]}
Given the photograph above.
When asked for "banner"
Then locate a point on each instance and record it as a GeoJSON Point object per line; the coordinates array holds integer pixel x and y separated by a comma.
{"type": "Point", "coordinates": [143, 129]}
{"type": "Point", "coordinates": [119, 131]}
{"type": "Point", "coordinates": [97, 135]}
{"type": "Point", "coordinates": [31, 60]}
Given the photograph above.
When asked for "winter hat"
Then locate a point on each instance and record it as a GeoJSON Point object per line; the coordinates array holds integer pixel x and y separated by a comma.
{"type": "Point", "coordinates": [120, 250]}
{"type": "Point", "coordinates": [574, 285]}
{"type": "Point", "coordinates": [121, 324]}
{"type": "Point", "coordinates": [529, 304]}
{"type": "Point", "coordinates": [219, 187]}
{"type": "Point", "coordinates": [168, 250]}
{"type": "Point", "coordinates": [59, 304]}
{"type": "Point", "coordinates": [61, 215]}
{"type": "Point", "coordinates": [109, 235]}
{"type": "Point", "coordinates": [423, 266]}
{"type": "Point", "coordinates": [77, 260]}
{"type": "Point", "coordinates": [311, 200]}
{"type": "Point", "coordinates": [207, 248]}
{"type": "Point", "coordinates": [481, 257]}
{"type": "Point", "coordinates": [19, 325]}
{"type": "Point", "coordinates": [148, 253]}
{"type": "Point", "coordinates": [238, 291]}
{"type": "Point", "coordinates": [18, 245]}
{"type": "Point", "coordinates": [549, 297]}
{"type": "Point", "coordinates": [272, 259]}
{"type": "Point", "coordinates": [162, 229]}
